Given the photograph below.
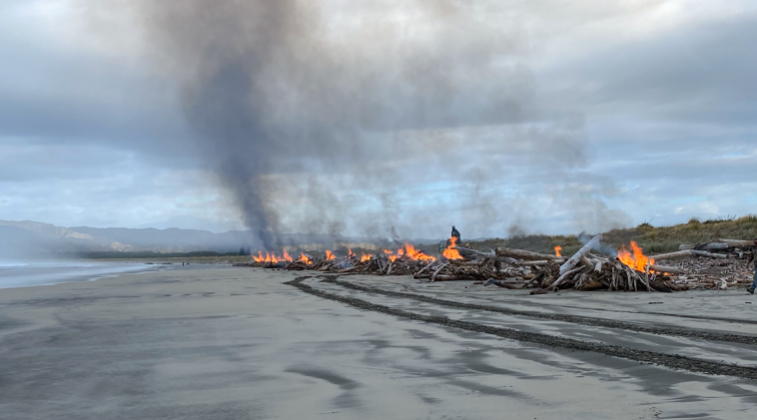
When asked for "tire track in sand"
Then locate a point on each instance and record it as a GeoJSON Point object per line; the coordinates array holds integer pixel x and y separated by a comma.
{"type": "Point", "coordinates": [643, 356]}
{"type": "Point", "coordinates": [685, 332]}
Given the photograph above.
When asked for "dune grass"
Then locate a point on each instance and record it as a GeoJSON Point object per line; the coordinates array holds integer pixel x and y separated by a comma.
{"type": "Point", "coordinates": [652, 239]}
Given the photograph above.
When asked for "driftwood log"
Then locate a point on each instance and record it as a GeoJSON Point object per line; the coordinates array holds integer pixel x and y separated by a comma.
{"type": "Point", "coordinates": [687, 253]}
{"type": "Point", "coordinates": [575, 259]}
{"type": "Point", "coordinates": [666, 269]}
{"type": "Point", "coordinates": [737, 243]}
{"type": "Point", "coordinates": [524, 255]}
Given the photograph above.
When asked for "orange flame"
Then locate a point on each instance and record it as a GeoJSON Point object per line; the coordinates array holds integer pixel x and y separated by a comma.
{"type": "Point", "coordinates": [329, 256]}
{"type": "Point", "coordinates": [365, 258]}
{"type": "Point", "coordinates": [452, 254]}
{"type": "Point", "coordinates": [406, 251]}
{"type": "Point", "coordinates": [557, 251]}
{"type": "Point", "coordinates": [637, 260]}
{"type": "Point", "coordinates": [287, 257]}
{"type": "Point", "coordinates": [259, 258]}
{"type": "Point", "coordinates": [304, 258]}
{"type": "Point", "coordinates": [417, 255]}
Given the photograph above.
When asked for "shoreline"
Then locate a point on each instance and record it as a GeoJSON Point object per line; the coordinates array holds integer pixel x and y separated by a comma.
{"type": "Point", "coordinates": [50, 273]}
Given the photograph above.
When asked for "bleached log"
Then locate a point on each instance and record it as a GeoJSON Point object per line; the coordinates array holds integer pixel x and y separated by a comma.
{"type": "Point", "coordinates": [713, 245]}
{"type": "Point", "coordinates": [666, 269]}
{"type": "Point", "coordinates": [671, 255]}
{"type": "Point", "coordinates": [598, 267]}
{"type": "Point", "coordinates": [573, 261]}
{"type": "Point", "coordinates": [487, 255]}
{"type": "Point", "coordinates": [568, 274]}
{"type": "Point", "coordinates": [521, 254]}
{"type": "Point", "coordinates": [737, 242]}
{"type": "Point", "coordinates": [708, 254]}
{"type": "Point", "coordinates": [418, 274]}
{"type": "Point", "coordinates": [588, 264]}
{"type": "Point", "coordinates": [438, 270]}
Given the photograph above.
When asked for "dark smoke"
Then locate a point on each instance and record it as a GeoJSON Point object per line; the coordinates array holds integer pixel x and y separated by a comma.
{"type": "Point", "coordinates": [338, 101]}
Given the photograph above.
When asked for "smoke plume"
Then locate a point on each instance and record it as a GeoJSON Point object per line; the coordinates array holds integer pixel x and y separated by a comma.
{"type": "Point", "coordinates": [314, 112]}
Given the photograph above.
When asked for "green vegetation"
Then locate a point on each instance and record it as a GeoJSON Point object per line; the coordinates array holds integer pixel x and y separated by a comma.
{"type": "Point", "coordinates": [652, 239]}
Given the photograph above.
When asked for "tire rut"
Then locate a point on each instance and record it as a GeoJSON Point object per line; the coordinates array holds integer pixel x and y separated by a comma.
{"type": "Point", "coordinates": [643, 356]}
{"type": "Point", "coordinates": [574, 319]}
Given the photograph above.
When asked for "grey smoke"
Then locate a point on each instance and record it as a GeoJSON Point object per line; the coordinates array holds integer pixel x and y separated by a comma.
{"type": "Point", "coordinates": [604, 249]}
{"type": "Point", "coordinates": [288, 99]}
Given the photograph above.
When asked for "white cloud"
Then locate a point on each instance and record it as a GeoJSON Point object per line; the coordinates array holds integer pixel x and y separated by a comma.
{"type": "Point", "coordinates": [658, 95]}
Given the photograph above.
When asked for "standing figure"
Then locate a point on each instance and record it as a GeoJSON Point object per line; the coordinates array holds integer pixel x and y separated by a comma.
{"type": "Point", "coordinates": [456, 234]}
{"type": "Point", "coordinates": [752, 257]}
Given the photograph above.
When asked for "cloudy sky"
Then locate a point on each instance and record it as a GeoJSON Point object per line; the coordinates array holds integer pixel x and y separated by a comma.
{"type": "Point", "coordinates": [373, 117]}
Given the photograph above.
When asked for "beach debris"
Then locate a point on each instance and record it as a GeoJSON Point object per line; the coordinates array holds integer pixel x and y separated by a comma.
{"type": "Point", "coordinates": [717, 265]}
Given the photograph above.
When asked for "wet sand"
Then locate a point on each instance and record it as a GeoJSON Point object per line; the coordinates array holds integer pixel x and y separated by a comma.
{"type": "Point", "coordinates": [241, 343]}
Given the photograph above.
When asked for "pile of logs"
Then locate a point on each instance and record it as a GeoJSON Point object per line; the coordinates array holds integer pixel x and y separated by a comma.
{"type": "Point", "coordinates": [377, 265]}
{"type": "Point", "coordinates": [477, 269]}
{"type": "Point", "coordinates": [583, 271]}
{"type": "Point", "coordinates": [520, 269]}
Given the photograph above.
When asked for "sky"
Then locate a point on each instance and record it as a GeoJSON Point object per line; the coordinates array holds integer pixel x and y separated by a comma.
{"type": "Point", "coordinates": [378, 118]}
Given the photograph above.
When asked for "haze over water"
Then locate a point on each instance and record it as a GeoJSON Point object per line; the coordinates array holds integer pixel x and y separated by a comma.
{"type": "Point", "coordinates": [39, 273]}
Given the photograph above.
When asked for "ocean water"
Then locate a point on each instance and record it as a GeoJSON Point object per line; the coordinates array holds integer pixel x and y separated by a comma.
{"type": "Point", "coordinates": [38, 273]}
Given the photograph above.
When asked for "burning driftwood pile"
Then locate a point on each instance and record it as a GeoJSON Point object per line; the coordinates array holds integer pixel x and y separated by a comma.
{"type": "Point", "coordinates": [407, 260]}
{"type": "Point", "coordinates": [509, 268]}
{"type": "Point", "coordinates": [582, 271]}
{"type": "Point", "coordinates": [629, 271]}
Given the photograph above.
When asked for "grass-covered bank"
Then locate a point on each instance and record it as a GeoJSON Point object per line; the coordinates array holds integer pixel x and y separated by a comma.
{"type": "Point", "coordinates": [652, 239]}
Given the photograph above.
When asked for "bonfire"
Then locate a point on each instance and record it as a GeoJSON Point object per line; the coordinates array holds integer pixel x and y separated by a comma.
{"type": "Point", "coordinates": [629, 270]}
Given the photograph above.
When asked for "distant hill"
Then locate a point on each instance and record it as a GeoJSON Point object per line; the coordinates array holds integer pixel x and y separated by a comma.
{"type": "Point", "coordinates": [29, 238]}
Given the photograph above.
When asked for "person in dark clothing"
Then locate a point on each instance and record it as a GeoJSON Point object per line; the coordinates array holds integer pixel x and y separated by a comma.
{"type": "Point", "coordinates": [752, 258]}
{"type": "Point", "coordinates": [456, 234]}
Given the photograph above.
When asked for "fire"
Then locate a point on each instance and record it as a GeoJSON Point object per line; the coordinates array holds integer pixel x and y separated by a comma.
{"type": "Point", "coordinates": [450, 253]}
{"type": "Point", "coordinates": [407, 251]}
{"type": "Point", "coordinates": [390, 255]}
{"type": "Point", "coordinates": [304, 258]}
{"type": "Point", "coordinates": [271, 257]}
{"type": "Point", "coordinates": [557, 251]}
{"type": "Point", "coordinates": [267, 258]}
{"type": "Point", "coordinates": [417, 255]}
{"type": "Point", "coordinates": [637, 260]}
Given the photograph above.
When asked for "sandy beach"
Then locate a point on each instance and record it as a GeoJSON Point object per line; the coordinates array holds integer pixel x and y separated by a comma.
{"type": "Point", "coordinates": [241, 343]}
